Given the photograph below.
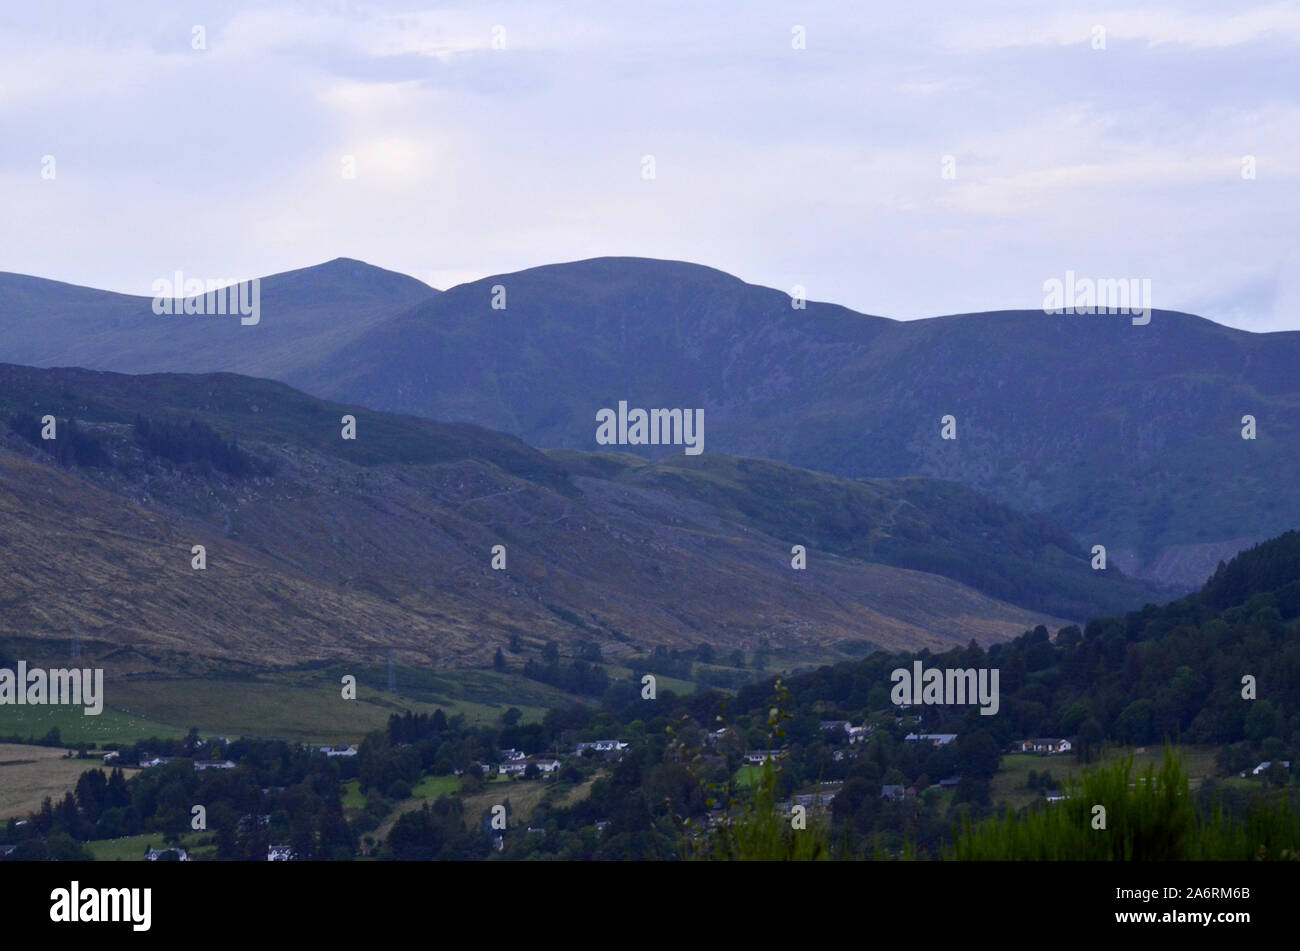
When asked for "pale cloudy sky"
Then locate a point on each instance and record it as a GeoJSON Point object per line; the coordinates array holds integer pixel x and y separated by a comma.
{"type": "Point", "coordinates": [819, 166]}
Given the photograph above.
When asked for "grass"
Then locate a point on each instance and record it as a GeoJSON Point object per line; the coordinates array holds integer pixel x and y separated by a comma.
{"type": "Point", "coordinates": [747, 777]}
{"type": "Point", "coordinates": [428, 789]}
{"type": "Point", "coordinates": [307, 712]}
{"type": "Point", "coordinates": [1114, 813]}
{"type": "Point", "coordinates": [305, 706]}
{"type": "Point", "coordinates": [524, 797]}
{"type": "Point", "coordinates": [662, 682]}
{"type": "Point", "coordinates": [297, 706]}
{"type": "Point", "coordinates": [564, 798]}
{"type": "Point", "coordinates": [30, 773]}
{"type": "Point", "coordinates": [480, 694]}
{"type": "Point", "coordinates": [109, 726]}
{"type": "Point", "coordinates": [760, 832]}
{"type": "Point", "coordinates": [286, 416]}
{"type": "Point", "coordinates": [1008, 786]}
{"type": "Point", "coordinates": [432, 787]}
{"type": "Point", "coordinates": [353, 797]}
{"type": "Point", "coordinates": [131, 848]}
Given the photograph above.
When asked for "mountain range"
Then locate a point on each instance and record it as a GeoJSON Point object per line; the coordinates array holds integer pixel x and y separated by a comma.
{"type": "Point", "coordinates": [324, 548]}
{"type": "Point", "coordinates": [1127, 436]}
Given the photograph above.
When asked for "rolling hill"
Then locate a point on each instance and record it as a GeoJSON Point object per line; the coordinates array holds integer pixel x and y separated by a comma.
{"type": "Point", "coordinates": [1128, 436]}
{"type": "Point", "coordinates": [306, 315]}
{"type": "Point", "coordinates": [321, 548]}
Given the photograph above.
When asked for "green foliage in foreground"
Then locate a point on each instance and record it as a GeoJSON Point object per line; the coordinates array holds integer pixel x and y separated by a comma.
{"type": "Point", "coordinates": [1148, 818]}
{"type": "Point", "coordinates": [761, 831]}
{"type": "Point", "coordinates": [765, 834]}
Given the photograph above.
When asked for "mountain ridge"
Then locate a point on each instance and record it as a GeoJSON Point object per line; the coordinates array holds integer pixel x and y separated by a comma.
{"type": "Point", "coordinates": [1126, 435]}
{"type": "Point", "coordinates": [342, 547]}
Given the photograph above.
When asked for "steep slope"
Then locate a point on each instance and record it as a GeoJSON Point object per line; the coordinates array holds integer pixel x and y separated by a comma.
{"type": "Point", "coordinates": [923, 524]}
{"type": "Point", "coordinates": [1127, 435]}
{"type": "Point", "coordinates": [84, 562]}
{"type": "Point", "coordinates": [320, 547]}
{"type": "Point", "coordinates": [1167, 671]}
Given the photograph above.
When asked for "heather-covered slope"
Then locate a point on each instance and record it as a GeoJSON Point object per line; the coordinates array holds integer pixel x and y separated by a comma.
{"type": "Point", "coordinates": [322, 547]}
{"type": "Point", "coordinates": [1127, 436]}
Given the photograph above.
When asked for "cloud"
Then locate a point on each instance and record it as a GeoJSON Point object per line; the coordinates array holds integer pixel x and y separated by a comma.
{"type": "Point", "coordinates": [820, 166]}
{"type": "Point", "coordinates": [1029, 26]}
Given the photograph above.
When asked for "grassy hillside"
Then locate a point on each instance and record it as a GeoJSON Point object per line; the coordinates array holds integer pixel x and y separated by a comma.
{"type": "Point", "coordinates": [923, 524]}
{"type": "Point", "coordinates": [1127, 436]}
{"type": "Point", "coordinates": [322, 548]}
{"type": "Point", "coordinates": [305, 316]}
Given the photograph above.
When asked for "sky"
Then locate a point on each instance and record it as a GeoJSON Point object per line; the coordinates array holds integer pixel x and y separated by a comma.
{"type": "Point", "coordinates": [906, 160]}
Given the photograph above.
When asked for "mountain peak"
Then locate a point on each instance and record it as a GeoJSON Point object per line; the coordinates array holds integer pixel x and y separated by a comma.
{"type": "Point", "coordinates": [356, 274]}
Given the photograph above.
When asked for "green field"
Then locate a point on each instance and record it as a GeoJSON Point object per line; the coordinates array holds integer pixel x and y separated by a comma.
{"type": "Point", "coordinates": [662, 682]}
{"type": "Point", "coordinates": [132, 848]}
{"type": "Point", "coordinates": [353, 797]}
{"type": "Point", "coordinates": [479, 694]}
{"type": "Point", "coordinates": [303, 711]}
{"type": "Point", "coordinates": [296, 705]}
{"type": "Point", "coordinates": [299, 705]}
{"type": "Point", "coordinates": [1008, 785]}
{"type": "Point", "coordinates": [748, 776]}
{"type": "Point", "coordinates": [109, 726]}
{"type": "Point", "coordinates": [431, 787]}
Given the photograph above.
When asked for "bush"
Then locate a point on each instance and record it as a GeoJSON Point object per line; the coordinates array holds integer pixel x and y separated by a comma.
{"type": "Point", "coordinates": [399, 789]}
{"type": "Point", "coordinates": [196, 443]}
{"type": "Point", "coordinates": [1149, 818]}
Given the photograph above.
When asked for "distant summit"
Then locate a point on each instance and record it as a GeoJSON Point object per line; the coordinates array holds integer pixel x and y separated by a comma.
{"type": "Point", "coordinates": [1129, 436]}
{"type": "Point", "coordinates": [306, 315]}
{"type": "Point", "coordinates": [352, 276]}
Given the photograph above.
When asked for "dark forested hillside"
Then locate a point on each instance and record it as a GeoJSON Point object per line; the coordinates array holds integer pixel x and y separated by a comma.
{"type": "Point", "coordinates": [1173, 671]}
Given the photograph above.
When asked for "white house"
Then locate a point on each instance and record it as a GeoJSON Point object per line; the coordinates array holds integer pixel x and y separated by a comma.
{"type": "Point", "coordinates": [333, 751]}
{"type": "Point", "coordinates": [1048, 746]}
{"type": "Point", "coordinates": [602, 746]}
{"type": "Point", "coordinates": [859, 734]}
